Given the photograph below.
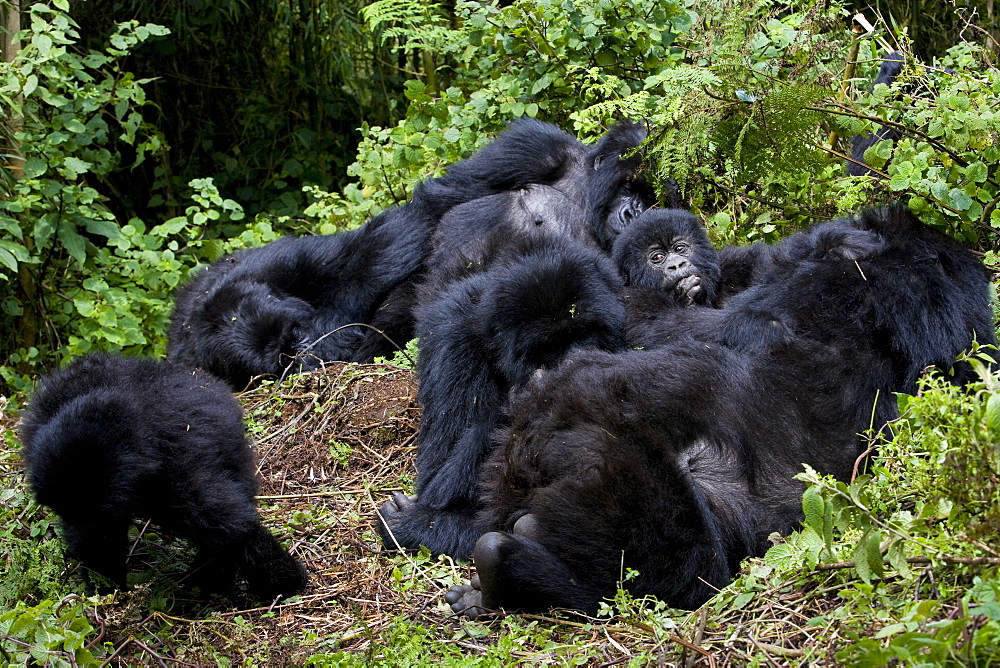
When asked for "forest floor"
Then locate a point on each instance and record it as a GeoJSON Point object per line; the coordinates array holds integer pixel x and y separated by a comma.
{"type": "Point", "coordinates": [332, 446]}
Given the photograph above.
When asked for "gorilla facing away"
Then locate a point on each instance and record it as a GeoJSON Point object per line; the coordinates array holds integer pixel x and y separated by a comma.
{"type": "Point", "coordinates": [486, 335]}
{"type": "Point", "coordinates": [109, 439]}
{"type": "Point", "coordinates": [677, 462]}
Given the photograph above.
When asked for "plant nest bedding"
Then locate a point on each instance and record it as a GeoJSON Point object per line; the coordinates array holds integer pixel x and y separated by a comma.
{"type": "Point", "coordinates": [332, 446]}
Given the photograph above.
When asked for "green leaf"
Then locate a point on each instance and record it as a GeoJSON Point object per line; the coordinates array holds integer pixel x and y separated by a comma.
{"type": "Point", "coordinates": [813, 505]}
{"type": "Point", "coordinates": [8, 260]}
{"type": "Point", "coordinates": [30, 84]}
{"type": "Point", "coordinates": [897, 558]}
{"type": "Point", "coordinates": [105, 228]}
{"type": "Point", "coordinates": [993, 415]}
{"type": "Point", "coordinates": [75, 245]}
{"type": "Point", "coordinates": [976, 172]}
{"type": "Point", "coordinates": [76, 166]}
{"type": "Point", "coordinates": [960, 199]}
{"type": "Point", "coordinates": [35, 167]}
{"type": "Point", "coordinates": [43, 43]}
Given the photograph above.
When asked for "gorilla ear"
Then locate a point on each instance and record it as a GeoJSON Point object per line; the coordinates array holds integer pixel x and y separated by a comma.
{"type": "Point", "coordinates": [597, 161]}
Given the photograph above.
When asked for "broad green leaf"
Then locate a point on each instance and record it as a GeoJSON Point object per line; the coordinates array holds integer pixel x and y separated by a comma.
{"type": "Point", "coordinates": [993, 415]}
{"type": "Point", "coordinates": [35, 167]}
{"type": "Point", "coordinates": [75, 245]}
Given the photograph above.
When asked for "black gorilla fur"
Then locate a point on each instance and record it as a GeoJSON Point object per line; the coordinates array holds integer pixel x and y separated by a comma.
{"type": "Point", "coordinates": [300, 300]}
{"type": "Point", "coordinates": [109, 439]}
{"type": "Point", "coordinates": [255, 311]}
{"type": "Point", "coordinates": [260, 310]}
{"type": "Point", "coordinates": [487, 334]}
{"type": "Point", "coordinates": [891, 67]}
{"type": "Point", "coordinates": [592, 195]}
{"type": "Point", "coordinates": [678, 462]}
{"type": "Point", "coordinates": [742, 268]}
{"type": "Point", "coordinates": [515, 281]}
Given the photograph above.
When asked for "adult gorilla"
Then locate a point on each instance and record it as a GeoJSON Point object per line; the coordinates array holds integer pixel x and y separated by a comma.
{"type": "Point", "coordinates": [296, 300]}
{"type": "Point", "coordinates": [515, 282]}
{"type": "Point", "coordinates": [351, 296]}
{"type": "Point", "coordinates": [592, 197]}
{"type": "Point", "coordinates": [485, 335]}
{"type": "Point", "coordinates": [678, 462]}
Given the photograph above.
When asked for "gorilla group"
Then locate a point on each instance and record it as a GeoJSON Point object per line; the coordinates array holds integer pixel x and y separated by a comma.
{"type": "Point", "coordinates": [109, 439]}
{"type": "Point", "coordinates": [485, 335]}
{"type": "Point", "coordinates": [353, 296]}
{"type": "Point", "coordinates": [601, 388]}
{"type": "Point", "coordinates": [677, 460]}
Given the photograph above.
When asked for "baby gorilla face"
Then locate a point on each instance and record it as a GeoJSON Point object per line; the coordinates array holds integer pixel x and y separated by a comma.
{"type": "Point", "coordinates": [668, 251]}
{"type": "Point", "coordinates": [679, 274]}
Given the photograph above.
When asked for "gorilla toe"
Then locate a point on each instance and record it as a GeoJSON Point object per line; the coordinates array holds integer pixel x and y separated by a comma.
{"type": "Point", "coordinates": [467, 599]}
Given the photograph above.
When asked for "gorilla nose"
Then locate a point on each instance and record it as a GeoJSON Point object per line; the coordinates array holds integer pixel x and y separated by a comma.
{"type": "Point", "coordinates": [676, 264]}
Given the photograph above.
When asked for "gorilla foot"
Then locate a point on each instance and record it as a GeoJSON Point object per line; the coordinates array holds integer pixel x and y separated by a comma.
{"type": "Point", "coordinates": [404, 523]}
{"type": "Point", "coordinates": [479, 597]}
{"type": "Point", "coordinates": [467, 599]}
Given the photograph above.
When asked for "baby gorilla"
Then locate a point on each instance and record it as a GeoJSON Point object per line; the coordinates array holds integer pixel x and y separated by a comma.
{"type": "Point", "coordinates": [668, 251]}
{"type": "Point", "coordinates": [109, 439]}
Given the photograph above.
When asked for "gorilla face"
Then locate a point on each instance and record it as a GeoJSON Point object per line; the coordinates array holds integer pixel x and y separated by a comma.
{"type": "Point", "coordinates": [627, 206]}
{"type": "Point", "coordinates": [673, 263]}
{"type": "Point", "coordinates": [667, 250]}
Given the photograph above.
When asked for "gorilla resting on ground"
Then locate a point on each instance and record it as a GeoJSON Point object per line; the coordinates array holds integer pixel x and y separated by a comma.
{"type": "Point", "coordinates": [253, 312]}
{"type": "Point", "coordinates": [678, 462]}
{"type": "Point", "coordinates": [542, 297]}
{"type": "Point", "coordinates": [591, 196]}
{"type": "Point", "coordinates": [739, 269]}
{"type": "Point", "coordinates": [109, 439]}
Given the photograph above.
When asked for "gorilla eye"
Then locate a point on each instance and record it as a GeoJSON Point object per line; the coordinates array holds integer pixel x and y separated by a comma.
{"type": "Point", "coordinates": [679, 247]}
{"type": "Point", "coordinates": [657, 256]}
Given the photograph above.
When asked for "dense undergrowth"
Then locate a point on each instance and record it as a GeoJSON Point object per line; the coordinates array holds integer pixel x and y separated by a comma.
{"type": "Point", "coordinates": [750, 102]}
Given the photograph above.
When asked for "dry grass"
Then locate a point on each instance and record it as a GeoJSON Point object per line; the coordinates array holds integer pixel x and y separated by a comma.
{"type": "Point", "coordinates": [332, 445]}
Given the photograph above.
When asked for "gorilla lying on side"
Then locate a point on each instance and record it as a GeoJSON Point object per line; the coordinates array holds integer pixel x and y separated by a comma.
{"type": "Point", "coordinates": [543, 296]}
{"type": "Point", "coordinates": [592, 197]}
{"type": "Point", "coordinates": [678, 462]}
{"type": "Point", "coordinates": [257, 310]}
{"type": "Point", "coordinates": [109, 439]}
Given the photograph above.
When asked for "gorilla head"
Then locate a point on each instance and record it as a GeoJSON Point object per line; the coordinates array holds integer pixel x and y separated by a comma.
{"type": "Point", "coordinates": [245, 329]}
{"type": "Point", "coordinates": [667, 250]}
{"type": "Point", "coordinates": [616, 194]}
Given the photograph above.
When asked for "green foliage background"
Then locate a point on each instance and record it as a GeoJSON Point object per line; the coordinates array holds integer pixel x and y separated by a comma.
{"type": "Point", "coordinates": [749, 102]}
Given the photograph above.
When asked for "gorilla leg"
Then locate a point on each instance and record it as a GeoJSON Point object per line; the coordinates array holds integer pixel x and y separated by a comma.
{"type": "Point", "coordinates": [102, 547]}
{"type": "Point", "coordinates": [483, 336]}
